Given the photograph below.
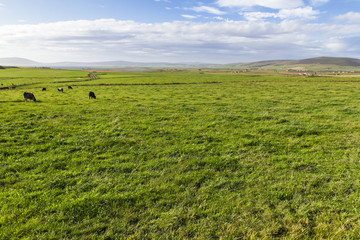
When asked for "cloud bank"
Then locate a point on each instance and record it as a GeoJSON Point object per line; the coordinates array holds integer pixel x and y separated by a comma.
{"type": "Point", "coordinates": [274, 4]}
{"type": "Point", "coordinates": [306, 13]}
{"type": "Point", "coordinates": [184, 41]}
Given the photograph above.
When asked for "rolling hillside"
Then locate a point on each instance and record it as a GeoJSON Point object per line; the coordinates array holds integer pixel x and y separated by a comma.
{"type": "Point", "coordinates": [318, 63]}
{"type": "Point", "coordinates": [352, 62]}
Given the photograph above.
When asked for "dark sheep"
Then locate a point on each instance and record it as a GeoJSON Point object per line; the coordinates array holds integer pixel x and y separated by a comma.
{"type": "Point", "coordinates": [92, 95]}
{"type": "Point", "coordinates": [30, 96]}
{"type": "Point", "coordinates": [44, 89]}
{"type": "Point", "coordinates": [69, 87]}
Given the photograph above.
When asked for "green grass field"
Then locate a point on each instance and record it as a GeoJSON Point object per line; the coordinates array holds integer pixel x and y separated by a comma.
{"type": "Point", "coordinates": [179, 156]}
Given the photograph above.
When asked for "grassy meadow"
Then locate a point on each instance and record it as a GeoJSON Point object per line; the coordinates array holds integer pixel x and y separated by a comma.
{"type": "Point", "coordinates": [179, 155]}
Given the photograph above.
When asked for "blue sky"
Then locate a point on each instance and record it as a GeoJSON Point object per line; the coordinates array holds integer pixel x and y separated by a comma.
{"type": "Point", "coordinates": [213, 31]}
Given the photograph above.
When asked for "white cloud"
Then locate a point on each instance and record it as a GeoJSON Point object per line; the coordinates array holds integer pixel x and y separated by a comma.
{"type": "Point", "coordinates": [304, 13]}
{"type": "Point", "coordinates": [219, 18]}
{"type": "Point", "coordinates": [349, 17]}
{"type": "Point", "coordinates": [255, 16]}
{"type": "Point", "coordinates": [216, 41]}
{"type": "Point", "coordinates": [318, 2]}
{"type": "Point", "coordinates": [189, 16]}
{"type": "Point", "coordinates": [335, 45]}
{"type": "Point", "coordinates": [274, 4]}
{"type": "Point", "coordinates": [207, 9]}
{"type": "Point", "coordinates": [137, 52]}
{"type": "Point", "coordinates": [296, 13]}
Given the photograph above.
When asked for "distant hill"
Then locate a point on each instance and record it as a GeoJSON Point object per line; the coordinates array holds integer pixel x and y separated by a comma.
{"type": "Point", "coordinates": [309, 63]}
{"type": "Point", "coordinates": [18, 62]}
{"type": "Point", "coordinates": [119, 64]}
{"type": "Point", "coordinates": [259, 64]}
{"type": "Point", "coordinates": [318, 62]}
{"type": "Point", "coordinates": [352, 62]}
{"type": "Point", "coordinates": [23, 62]}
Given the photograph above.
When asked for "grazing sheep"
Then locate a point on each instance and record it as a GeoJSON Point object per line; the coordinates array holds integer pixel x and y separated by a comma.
{"type": "Point", "coordinates": [30, 96]}
{"type": "Point", "coordinates": [69, 87]}
{"type": "Point", "coordinates": [60, 90]}
{"type": "Point", "coordinates": [44, 89]}
{"type": "Point", "coordinates": [92, 95]}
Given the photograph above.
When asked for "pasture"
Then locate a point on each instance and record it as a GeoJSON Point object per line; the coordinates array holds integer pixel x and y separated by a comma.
{"type": "Point", "coordinates": [179, 155]}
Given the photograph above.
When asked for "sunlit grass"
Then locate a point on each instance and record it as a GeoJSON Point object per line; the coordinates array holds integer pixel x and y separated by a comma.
{"type": "Point", "coordinates": [248, 157]}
